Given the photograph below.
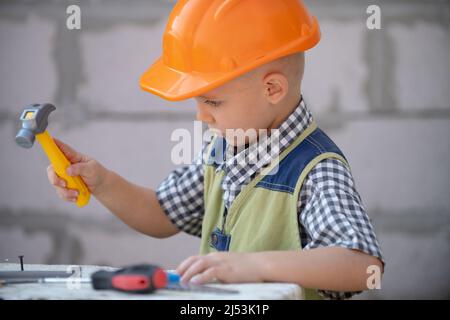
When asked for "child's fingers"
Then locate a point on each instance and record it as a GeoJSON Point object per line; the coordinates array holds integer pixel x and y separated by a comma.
{"type": "Point", "coordinates": [60, 186]}
{"type": "Point", "coordinates": [186, 263]}
{"type": "Point", "coordinates": [197, 267]}
{"type": "Point", "coordinates": [67, 194]}
{"type": "Point", "coordinates": [80, 169]}
{"type": "Point", "coordinates": [54, 178]}
{"type": "Point", "coordinates": [72, 155]}
{"type": "Point", "coordinates": [210, 275]}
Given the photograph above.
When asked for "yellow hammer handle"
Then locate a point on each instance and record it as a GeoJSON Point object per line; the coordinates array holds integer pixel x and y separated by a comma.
{"type": "Point", "coordinates": [60, 164]}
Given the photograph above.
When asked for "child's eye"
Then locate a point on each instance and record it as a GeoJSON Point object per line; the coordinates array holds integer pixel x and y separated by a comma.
{"type": "Point", "coordinates": [213, 103]}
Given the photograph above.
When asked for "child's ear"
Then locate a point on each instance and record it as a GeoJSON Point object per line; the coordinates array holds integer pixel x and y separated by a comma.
{"type": "Point", "coordinates": [275, 87]}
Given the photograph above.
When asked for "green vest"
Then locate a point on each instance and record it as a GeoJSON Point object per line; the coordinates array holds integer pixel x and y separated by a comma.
{"type": "Point", "coordinates": [264, 215]}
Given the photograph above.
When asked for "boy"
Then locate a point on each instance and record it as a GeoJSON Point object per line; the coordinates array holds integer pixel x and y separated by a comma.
{"type": "Point", "coordinates": [290, 217]}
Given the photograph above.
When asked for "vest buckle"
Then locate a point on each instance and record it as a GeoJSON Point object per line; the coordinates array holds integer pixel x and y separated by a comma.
{"type": "Point", "coordinates": [219, 240]}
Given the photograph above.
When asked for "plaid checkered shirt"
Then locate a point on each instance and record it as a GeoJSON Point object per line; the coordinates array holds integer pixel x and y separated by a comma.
{"type": "Point", "coordinates": [330, 210]}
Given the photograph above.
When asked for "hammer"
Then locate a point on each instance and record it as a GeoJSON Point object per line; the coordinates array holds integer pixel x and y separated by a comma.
{"type": "Point", "coordinates": [34, 124]}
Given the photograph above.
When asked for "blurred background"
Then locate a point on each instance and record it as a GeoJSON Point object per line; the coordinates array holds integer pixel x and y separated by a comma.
{"type": "Point", "coordinates": [382, 95]}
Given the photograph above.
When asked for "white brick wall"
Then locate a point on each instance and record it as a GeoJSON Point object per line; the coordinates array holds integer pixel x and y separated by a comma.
{"type": "Point", "coordinates": [335, 70]}
{"type": "Point", "coordinates": [423, 66]}
{"type": "Point", "coordinates": [34, 246]}
{"type": "Point", "coordinates": [382, 95]}
{"type": "Point", "coordinates": [27, 71]}
{"type": "Point", "coordinates": [399, 164]}
{"type": "Point", "coordinates": [112, 73]}
{"type": "Point", "coordinates": [124, 248]}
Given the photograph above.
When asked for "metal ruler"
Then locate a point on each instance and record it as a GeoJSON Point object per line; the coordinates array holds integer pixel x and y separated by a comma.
{"type": "Point", "coordinates": [199, 288]}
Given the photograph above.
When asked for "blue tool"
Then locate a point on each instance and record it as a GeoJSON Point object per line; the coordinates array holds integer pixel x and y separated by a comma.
{"type": "Point", "coordinates": [174, 283]}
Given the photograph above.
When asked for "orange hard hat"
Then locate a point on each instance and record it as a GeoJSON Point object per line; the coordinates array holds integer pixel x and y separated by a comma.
{"type": "Point", "coordinates": [209, 42]}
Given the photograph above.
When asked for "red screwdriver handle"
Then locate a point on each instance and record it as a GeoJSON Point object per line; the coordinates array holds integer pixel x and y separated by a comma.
{"type": "Point", "coordinates": [142, 278]}
{"type": "Point", "coordinates": [128, 282]}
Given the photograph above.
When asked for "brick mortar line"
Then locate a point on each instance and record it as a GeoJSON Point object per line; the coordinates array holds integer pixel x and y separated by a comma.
{"type": "Point", "coordinates": [102, 116]}
{"type": "Point", "coordinates": [434, 220]}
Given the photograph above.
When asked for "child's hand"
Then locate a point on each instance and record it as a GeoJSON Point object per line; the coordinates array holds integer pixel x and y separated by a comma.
{"type": "Point", "coordinates": [92, 173]}
{"type": "Point", "coordinates": [228, 267]}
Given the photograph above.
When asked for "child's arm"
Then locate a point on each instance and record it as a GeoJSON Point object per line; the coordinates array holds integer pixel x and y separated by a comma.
{"type": "Point", "coordinates": [328, 268]}
{"type": "Point", "coordinates": [138, 207]}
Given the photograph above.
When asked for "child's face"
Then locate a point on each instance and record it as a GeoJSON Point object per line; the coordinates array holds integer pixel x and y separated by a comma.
{"type": "Point", "coordinates": [239, 104]}
{"type": "Point", "coordinates": [257, 100]}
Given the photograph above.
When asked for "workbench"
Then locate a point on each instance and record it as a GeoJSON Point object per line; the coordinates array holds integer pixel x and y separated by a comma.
{"type": "Point", "coordinates": [76, 291]}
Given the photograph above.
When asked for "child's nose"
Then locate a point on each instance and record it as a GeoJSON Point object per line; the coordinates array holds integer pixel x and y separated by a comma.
{"type": "Point", "coordinates": [204, 116]}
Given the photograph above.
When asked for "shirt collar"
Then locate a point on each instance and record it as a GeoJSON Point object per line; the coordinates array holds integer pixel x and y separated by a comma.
{"type": "Point", "coordinates": [242, 166]}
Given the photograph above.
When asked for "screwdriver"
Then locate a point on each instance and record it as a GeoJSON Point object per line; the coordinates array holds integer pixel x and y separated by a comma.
{"type": "Point", "coordinates": [142, 278]}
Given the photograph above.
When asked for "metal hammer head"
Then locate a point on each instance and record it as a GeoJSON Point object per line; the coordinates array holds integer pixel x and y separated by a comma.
{"type": "Point", "coordinates": [34, 121]}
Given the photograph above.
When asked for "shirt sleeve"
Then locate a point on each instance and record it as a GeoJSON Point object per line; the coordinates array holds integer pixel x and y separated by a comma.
{"type": "Point", "coordinates": [331, 214]}
{"type": "Point", "coordinates": [181, 195]}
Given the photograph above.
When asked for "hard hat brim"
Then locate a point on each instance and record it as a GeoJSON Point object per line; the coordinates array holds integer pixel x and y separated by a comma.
{"type": "Point", "coordinates": [173, 85]}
